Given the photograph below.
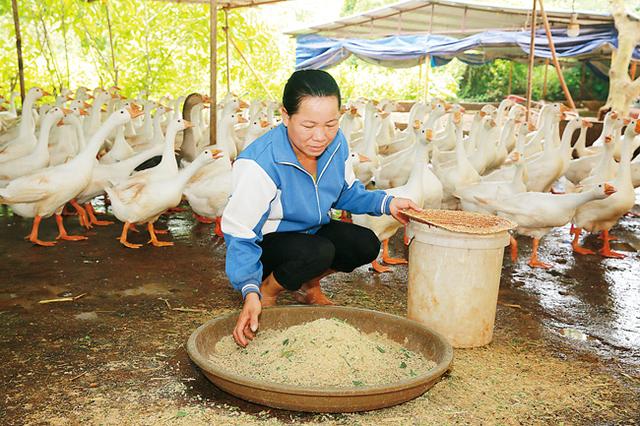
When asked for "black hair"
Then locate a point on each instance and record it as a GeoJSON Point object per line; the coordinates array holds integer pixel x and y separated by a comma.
{"type": "Point", "coordinates": [305, 83]}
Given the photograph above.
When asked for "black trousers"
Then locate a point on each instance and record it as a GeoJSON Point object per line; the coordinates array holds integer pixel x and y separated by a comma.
{"type": "Point", "coordinates": [295, 258]}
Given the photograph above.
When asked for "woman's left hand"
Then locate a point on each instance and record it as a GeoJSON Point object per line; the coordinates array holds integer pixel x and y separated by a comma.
{"type": "Point", "coordinates": [398, 204]}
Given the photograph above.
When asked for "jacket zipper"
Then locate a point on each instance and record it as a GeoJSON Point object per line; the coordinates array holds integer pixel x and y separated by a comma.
{"type": "Point", "coordinates": [315, 185]}
{"type": "Point", "coordinates": [315, 182]}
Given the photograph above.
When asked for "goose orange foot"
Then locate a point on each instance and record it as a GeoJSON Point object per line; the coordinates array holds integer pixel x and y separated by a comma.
{"type": "Point", "coordinates": [575, 244]}
{"type": "Point", "coordinates": [92, 216]}
{"type": "Point", "coordinates": [379, 268]}
{"type": "Point", "coordinates": [82, 215]}
{"type": "Point", "coordinates": [514, 249]}
{"type": "Point", "coordinates": [218, 229]}
{"type": "Point", "coordinates": [606, 248]}
{"type": "Point", "coordinates": [203, 219]}
{"type": "Point", "coordinates": [123, 237]}
{"type": "Point", "coordinates": [538, 264]}
{"type": "Point", "coordinates": [154, 239]}
{"type": "Point", "coordinates": [33, 236]}
{"type": "Point", "coordinates": [388, 259]}
{"type": "Point", "coordinates": [62, 233]}
{"type": "Point", "coordinates": [534, 262]}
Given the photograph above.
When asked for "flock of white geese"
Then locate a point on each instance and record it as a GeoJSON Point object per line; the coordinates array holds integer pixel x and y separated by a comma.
{"type": "Point", "coordinates": [86, 145]}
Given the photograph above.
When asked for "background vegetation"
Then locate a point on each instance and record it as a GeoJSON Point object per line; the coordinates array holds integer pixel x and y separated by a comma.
{"type": "Point", "coordinates": [163, 48]}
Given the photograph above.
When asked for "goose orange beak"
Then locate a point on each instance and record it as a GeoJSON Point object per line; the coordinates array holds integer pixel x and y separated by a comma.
{"type": "Point", "coordinates": [416, 124]}
{"type": "Point", "coordinates": [637, 127]}
{"type": "Point", "coordinates": [60, 123]}
{"type": "Point", "coordinates": [264, 123]}
{"type": "Point", "coordinates": [66, 111]}
{"type": "Point", "coordinates": [429, 134]}
{"type": "Point", "coordinates": [564, 108]}
{"type": "Point", "coordinates": [384, 114]}
{"type": "Point", "coordinates": [242, 104]}
{"type": "Point", "coordinates": [83, 112]}
{"type": "Point", "coordinates": [45, 93]}
{"type": "Point", "coordinates": [241, 119]}
{"type": "Point", "coordinates": [187, 124]}
{"type": "Point", "coordinates": [216, 153]}
{"type": "Point", "coordinates": [608, 139]}
{"type": "Point", "coordinates": [364, 158]}
{"type": "Point", "coordinates": [609, 189]}
{"type": "Point", "coordinates": [134, 112]}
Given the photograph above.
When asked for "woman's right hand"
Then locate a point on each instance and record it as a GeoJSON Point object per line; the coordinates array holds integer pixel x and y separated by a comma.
{"type": "Point", "coordinates": [247, 323]}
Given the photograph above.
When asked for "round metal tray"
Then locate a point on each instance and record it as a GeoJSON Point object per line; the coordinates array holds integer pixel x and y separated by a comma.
{"type": "Point", "coordinates": [410, 334]}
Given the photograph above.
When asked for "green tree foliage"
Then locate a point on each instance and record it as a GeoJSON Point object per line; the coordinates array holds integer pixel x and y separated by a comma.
{"type": "Point", "coordinates": [490, 82]}
{"type": "Point", "coordinates": [160, 47]}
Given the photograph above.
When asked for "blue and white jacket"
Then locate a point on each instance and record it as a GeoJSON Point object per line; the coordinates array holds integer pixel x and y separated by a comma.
{"type": "Point", "coordinates": [272, 192]}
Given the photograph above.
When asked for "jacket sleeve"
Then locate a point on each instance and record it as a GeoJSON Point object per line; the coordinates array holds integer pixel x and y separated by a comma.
{"type": "Point", "coordinates": [355, 198]}
{"type": "Point", "coordinates": [242, 220]}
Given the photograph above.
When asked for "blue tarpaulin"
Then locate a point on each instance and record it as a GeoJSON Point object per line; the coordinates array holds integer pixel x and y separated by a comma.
{"type": "Point", "coordinates": [316, 52]}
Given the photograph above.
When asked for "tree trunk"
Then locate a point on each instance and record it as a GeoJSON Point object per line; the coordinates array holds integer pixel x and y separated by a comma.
{"type": "Point", "coordinates": [16, 23]}
{"type": "Point", "coordinates": [622, 90]}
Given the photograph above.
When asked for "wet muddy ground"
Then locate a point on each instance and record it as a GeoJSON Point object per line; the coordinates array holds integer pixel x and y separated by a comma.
{"type": "Point", "coordinates": [566, 345]}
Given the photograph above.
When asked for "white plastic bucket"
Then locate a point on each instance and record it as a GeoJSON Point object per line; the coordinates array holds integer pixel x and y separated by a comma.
{"type": "Point", "coordinates": [453, 282]}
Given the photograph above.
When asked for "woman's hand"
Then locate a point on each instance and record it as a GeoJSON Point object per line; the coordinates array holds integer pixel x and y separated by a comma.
{"type": "Point", "coordinates": [398, 204]}
{"type": "Point", "coordinates": [247, 323]}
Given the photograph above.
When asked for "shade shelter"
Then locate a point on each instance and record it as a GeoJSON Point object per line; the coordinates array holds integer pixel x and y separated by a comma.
{"type": "Point", "coordinates": [412, 32]}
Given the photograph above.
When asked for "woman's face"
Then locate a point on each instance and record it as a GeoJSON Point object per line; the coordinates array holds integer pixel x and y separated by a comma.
{"type": "Point", "coordinates": [314, 126]}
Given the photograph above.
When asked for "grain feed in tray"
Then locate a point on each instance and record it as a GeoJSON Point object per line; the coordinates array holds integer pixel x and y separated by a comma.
{"type": "Point", "coordinates": [461, 221]}
{"type": "Point", "coordinates": [321, 353]}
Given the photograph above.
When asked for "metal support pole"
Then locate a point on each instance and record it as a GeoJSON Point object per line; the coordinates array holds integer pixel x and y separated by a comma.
{"type": "Point", "coordinates": [213, 118]}
{"type": "Point", "coordinates": [16, 24]}
{"type": "Point", "coordinates": [510, 87]}
{"type": "Point", "coordinates": [427, 68]}
{"type": "Point", "coordinates": [554, 57]}
{"type": "Point", "coordinates": [544, 85]}
{"type": "Point", "coordinates": [226, 37]}
{"type": "Point", "coordinates": [532, 54]}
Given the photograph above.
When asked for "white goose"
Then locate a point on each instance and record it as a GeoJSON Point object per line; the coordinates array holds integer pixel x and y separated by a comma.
{"type": "Point", "coordinates": [70, 139]}
{"type": "Point", "coordinates": [144, 201]}
{"type": "Point", "coordinates": [537, 213]}
{"type": "Point", "coordinates": [21, 142]}
{"type": "Point", "coordinates": [386, 226]}
{"type": "Point", "coordinates": [602, 215]}
{"type": "Point", "coordinates": [104, 174]}
{"type": "Point", "coordinates": [208, 191]}
{"type": "Point", "coordinates": [43, 193]}
{"type": "Point", "coordinates": [39, 157]}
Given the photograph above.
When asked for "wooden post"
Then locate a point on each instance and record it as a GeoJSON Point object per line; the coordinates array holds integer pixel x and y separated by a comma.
{"type": "Point", "coordinates": [544, 85]}
{"type": "Point", "coordinates": [213, 118]}
{"type": "Point", "coordinates": [113, 55]}
{"type": "Point", "coordinates": [510, 87]}
{"type": "Point", "coordinates": [427, 67]}
{"type": "Point", "coordinates": [16, 24]}
{"type": "Point", "coordinates": [226, 37]}
{"type": "Point", "coordinates": [532, 54]}
{"type": "Point", "coordinates": [554, 57]}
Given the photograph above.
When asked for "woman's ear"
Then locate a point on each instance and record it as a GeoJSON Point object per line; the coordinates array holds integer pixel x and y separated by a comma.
{"type": "Point", "coordinates": [285, 116]}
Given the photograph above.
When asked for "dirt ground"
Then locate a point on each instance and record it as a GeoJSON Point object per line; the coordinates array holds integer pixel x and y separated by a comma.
{"type": "Point", "coordinates": [566, 347]}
